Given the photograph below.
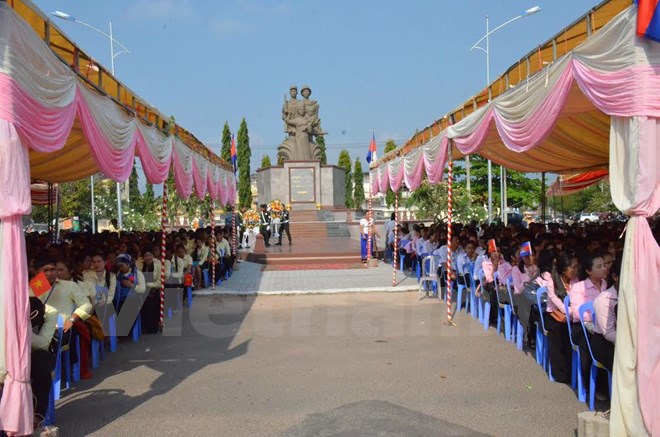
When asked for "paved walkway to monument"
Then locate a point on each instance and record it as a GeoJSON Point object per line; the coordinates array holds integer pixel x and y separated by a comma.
{"type": "Point", "coordinates": [354, 365]}
{"type": "Point", "coordinates": [251, 279]}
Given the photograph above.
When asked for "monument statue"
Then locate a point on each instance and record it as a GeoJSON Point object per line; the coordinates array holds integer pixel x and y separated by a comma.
{"type": "Point", "coordinates": [302, 124]}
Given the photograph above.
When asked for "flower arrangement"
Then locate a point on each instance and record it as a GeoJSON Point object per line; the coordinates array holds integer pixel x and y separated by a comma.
{"type": "Point", "coordinates": [251, 219]}
{"type": "Point", "coordinates": [276, 209]}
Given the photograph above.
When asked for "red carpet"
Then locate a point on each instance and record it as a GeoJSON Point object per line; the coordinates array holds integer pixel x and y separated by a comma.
{"type": "Point", "coordinates": [318, 266]}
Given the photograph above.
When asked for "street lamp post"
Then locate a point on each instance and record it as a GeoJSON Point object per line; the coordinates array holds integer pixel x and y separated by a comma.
{"type": "Point", "coordinates": [113, 55]}
{"type": "Point", "coordinates": [528, 12]}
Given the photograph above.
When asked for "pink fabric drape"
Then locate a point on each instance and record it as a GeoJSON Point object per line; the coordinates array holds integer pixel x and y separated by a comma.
{"type": "Point", "coordinates": [435, 170]}
{"type": "Point", "coordinates": [47, 129]}
{"type": "Point", "coordinates": [395, 173]}
{"type": "Point", "coordinates": [16, 404]}
{"type": "Point", "coordinates": [414, 174]}
{"type": "Point", "coordinates": [154, 170]}
{"type": "Point", "coordinates": [647, 272]}
{"type": "Point", "coordinates": [200, 179]}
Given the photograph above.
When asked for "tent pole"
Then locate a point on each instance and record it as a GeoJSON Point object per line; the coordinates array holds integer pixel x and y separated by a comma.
{"type": "Point", "coordinates": [163, 254]}
{"type": "Point", "coordinates": [395, 248]}
{"type": "Point", "coordinates": [50, 211]}
{"type": "Point", "coordinates": [369, 224]}
{"type": "Point", "coordinates": [543, 198]}
{"type": "Point", "coordinates": [213, 261]}
{"type": "Point", "coordinates": [91, 183]}
{"type": "Point", "coordinates": [561, 201]}
{"type": "Point", "coordinates": [450, 183]}
{"type": "Point", "coordinates": [56, 237]}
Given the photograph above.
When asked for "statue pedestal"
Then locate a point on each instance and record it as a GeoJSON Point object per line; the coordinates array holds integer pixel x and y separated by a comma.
{"type": "Point", "coordinates": [303, 185]}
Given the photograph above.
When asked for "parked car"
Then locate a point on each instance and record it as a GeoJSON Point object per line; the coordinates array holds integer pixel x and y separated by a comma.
{"type": "Point", "coordinates": [589, 217]}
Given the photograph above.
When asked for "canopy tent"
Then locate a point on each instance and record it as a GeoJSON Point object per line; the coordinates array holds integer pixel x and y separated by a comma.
{"type": "Point", "coordinates": [57, 125]}
{"type": "Point", "coordinates": [597, 106]}
{"type": "Point", "coordinates": [571, 184]}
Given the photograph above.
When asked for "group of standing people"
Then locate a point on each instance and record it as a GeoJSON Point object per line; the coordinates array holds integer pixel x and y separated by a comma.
{"type": "Point", "coordinates": [265, 223]}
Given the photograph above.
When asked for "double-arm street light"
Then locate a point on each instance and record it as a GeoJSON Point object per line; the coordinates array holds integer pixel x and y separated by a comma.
{"type": "Point", "coordinates": [486, 50]}
{"type": "Point", "coordinates": [113, 55]}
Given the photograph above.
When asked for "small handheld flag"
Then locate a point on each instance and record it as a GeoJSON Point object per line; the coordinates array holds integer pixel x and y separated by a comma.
{"type": "Point", "coordinates": [39, 284]}
{"type": "Point", "coordinates": [648, 19]}
{"type": "Point", "coordinates": [233, 153]}
{"type": "Point", "coordinates": [526, 249]}
{"type": "Point", "coordinates": [371, 154]}
{"type": "Point", "coordinates": [492, 246]}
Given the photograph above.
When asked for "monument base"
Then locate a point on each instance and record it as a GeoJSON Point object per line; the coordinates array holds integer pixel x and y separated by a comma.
{"type": "Point", "coordinates": [303, 185]}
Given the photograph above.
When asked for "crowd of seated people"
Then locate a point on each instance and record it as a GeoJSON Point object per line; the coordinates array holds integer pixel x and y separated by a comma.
{"type": "Point", "coordinates": [91, 274]}
{"type": "Point", "coordinates": [582, 261]}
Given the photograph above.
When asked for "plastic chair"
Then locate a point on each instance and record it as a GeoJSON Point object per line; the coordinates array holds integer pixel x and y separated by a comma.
{"type": "Point", "coordinates": [189, 295]}
{"type": "Point", "coordinates": [518, 331]}
{"type": "Point", "coordinates": [113, 332]}
{"type": "Point", "coordinates": [49, 420]}
{"type": "Point", "coordinates": [576, 371]}
{"type": "Point", "coordinates": [595, 364]}
{"type": "Point", "coordinates": [503, 311]}
{"type": "Point", "coordinates": [475, 303]}
{"type": "Point", "coordinates": [484, 304]}
{"type": "Point", "coordinates": [542, 343]}
{"type": "Point", "coordinates": [57, 377]}
{"type": "Point", "coordinates": [461, 288]}
{"type": "Point", "coordinates": [207, 281]}
{"type": "Point", "coordinates": [430, 275]}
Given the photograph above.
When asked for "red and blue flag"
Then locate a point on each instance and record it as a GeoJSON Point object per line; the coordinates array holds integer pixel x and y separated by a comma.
{"type": "Point", "coordinates": [648, 19]}
{"type": "Point", "coordinates": [371, 154]}
{"type": "Point", "coordinates": [526, 249]}
{"type": "Point", "coordinates": [233, 153]}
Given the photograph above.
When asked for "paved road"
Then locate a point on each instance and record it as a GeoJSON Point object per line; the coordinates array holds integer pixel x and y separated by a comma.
{"type": "Point", "coordinates": [250, 279]}
{"type": "Point", "coordinates": [319, 365]}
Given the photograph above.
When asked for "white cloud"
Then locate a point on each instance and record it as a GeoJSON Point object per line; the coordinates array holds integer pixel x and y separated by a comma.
{"type": "Point", "coordinates": [261, 8]}
{"type": "Point", "coordinates": [160, 10]}
{"type": "Point", "coordinates": [224, 26]}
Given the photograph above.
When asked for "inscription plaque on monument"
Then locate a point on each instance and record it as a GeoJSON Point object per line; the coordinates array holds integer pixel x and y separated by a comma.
{"type": "Point", "coordinates": [302, 185]}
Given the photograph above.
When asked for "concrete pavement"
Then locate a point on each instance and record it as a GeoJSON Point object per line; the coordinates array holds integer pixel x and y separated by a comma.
{"type": "Point", "coordinates": [319, 365]}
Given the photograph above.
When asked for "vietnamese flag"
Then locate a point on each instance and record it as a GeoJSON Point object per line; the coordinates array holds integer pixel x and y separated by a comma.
{"type": "Point", "coordinates": [492, 246]}
{"type": "Point", "coordinates": [39, 284]}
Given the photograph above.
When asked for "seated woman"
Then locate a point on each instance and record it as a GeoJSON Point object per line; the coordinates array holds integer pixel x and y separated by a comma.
{"type": "Point", "coordinates": [43, 318]}
{"type": "Point", "coordinates": [593, 283]}
{"type": "Point", "coordinates": [129, 279]}
{"type": "Point", "coordinates": [558, 280]}
{"type": "Point", "coordinates": [200, 261]}
{"type": "Point", "coordinates": [151, 268]}
{"type": "Point", "coordinates": [489, 266]}
{"type": "Point", "coordinates": [526, 271]}
{"type": "Point", "coordinates": [466, 262]}
{"type": "Point", "coordinates": [602, 342]}
{"type": "Point", "coordinates": [505, 268]}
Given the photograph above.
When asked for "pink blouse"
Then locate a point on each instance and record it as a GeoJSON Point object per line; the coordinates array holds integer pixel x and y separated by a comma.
{"type": "Point", "coordinates": [605, 316]}
{"type": "Point", "coordinates": [554, 302]}
{"type": "Point", "coordinates": [504, 271]}
{"type": "Point", "coordinates": [489, 270]}
{"type": "Point", "coordinates": [584, 291]}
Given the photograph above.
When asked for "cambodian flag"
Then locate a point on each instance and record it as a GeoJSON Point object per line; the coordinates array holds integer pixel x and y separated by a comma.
{"type": "Point", "coordinates": [233, 153]}
{"type": "Point", "coordinates": [648, 19]}
{"type": "Point", "coordinates": [371, 154]}
{"type": "Point", "coordinates": [526, 249]}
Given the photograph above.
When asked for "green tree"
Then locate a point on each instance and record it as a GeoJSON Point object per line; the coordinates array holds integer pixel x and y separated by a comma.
{"type": "Point", "coordinates": [389, 196]}
{"type": "Point", "coordinates": [265, 161]}
{"type": "Point", "coordinates": [522, 191]}
{"type": "Point", "coordinates": [345, 163]}
{"type": "Point", "coordinates": [320, 140]}
{"type": "Point", "coordinates": [76, 199]}
{"type": "Point", "coordinates": [596, 198]}
{"type": "Point", "coordinates": [244, 153]}
{"type": "Point", "coordinates": [225, 152]}
{"type": "Point", "coordinates": [133, 188]}
{"type": "Point", "coordinates": [358, 185]}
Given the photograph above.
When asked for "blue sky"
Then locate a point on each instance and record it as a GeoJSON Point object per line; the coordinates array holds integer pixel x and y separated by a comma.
{"type": "Point", "coordinates": [389, 66]}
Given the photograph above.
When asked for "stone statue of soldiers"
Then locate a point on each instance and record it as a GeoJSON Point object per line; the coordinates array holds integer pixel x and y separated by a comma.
{"type": "Point", "coordinates": [289, 109]}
